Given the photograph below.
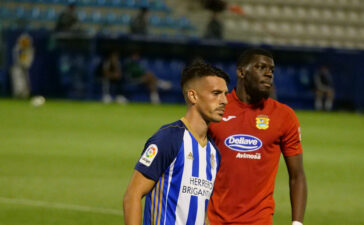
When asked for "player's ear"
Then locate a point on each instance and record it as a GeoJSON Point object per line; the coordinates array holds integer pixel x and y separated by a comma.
{"type": "Point", "coordinates": [241, 72]}
{"type": "Point", "coordinates": [192, 96]}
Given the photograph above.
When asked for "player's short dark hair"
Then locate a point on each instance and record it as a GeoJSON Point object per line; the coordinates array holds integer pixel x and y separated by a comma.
{"type": "Point", "coordinates": [246, 57]}
{"type": "Point", "coordinates": [200, 69]}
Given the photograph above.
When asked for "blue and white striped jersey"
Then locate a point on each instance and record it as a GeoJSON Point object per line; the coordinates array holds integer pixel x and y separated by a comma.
{"type": "Point", "coordinates": [184, 171]}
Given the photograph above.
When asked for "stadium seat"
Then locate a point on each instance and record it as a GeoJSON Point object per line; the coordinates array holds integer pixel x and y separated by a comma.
{"type": "Point", "coordinates": [20, 12]}
{"type": "Point", "coordinates": [340, 15]}
{"type": "Point", "coordinates": [168, 21]}
{"type": "Point", "coordinates": [130, 3]}
{"type": "Point", "coordinates": [300, 12]}
{"type": "Point", "coordinates": [125, 19]}
{"type": "Point", "coordinates": [86, 2]}
{"type": "Point", "coordinates": [261, 10]}
{"type": "Point", "coordinates": [35, 14]}
{"type": "Point", "coordinates": [274, 11]}
{"type": "Point", "coordinates": [288, 12]}
{"type": "Point", "coordinates": [116, 3]}
{"type": "Point", "coordinates": [314, 13]}
{"type": "Point", "coordinates": [110, 18]}
{"type": "Point", "coordinates": [143, 3]}
{"type": "Point", "coordinates": [160, 5]}
{"type": "Point", "coordinates": [184, 23]}
{"type": "Point", "coordinates": [82, 15]}
{"type": "Point", "coordinates": [101, 2]}
{"type": "Point", "coordinates": [155, 20]}
{"type": "Point", "coordinates": [5, 12]}
{"type": "Point", "coordinates": [95, 17]}
{"type": "Point", "coordinates": [50, 14]}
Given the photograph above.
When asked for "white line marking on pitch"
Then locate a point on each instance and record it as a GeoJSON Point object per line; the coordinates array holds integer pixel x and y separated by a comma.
{"type": "Point", "coordinates": [56, 205]}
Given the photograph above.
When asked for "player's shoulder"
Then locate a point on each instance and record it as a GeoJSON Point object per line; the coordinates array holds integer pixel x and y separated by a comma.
{"type": "Point", "coordinates": [171, 130]}
{"type": "Point", "coordinates": [283, 108]}
{"type": "Point", "coordinates": [177, 126]}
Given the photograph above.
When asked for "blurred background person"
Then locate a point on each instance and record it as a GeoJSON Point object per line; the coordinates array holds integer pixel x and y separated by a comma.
{"type": "Point", "coordinates": [67, 20]}
{"type": "Point", "coordinates": [139, 24]}
{"type": "Point", "coordinates": [215, 27]}
{"type": "Point", "coordinates": [112, 79]}
{"type": "Point", "coordinates": [23, 56]}
{"type": "Point", "coordinates": [324, 89]}
{"type": "Point", "coordinates": [135, 73]}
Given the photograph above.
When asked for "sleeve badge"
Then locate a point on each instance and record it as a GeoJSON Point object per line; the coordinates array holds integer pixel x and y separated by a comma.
{"type": "Point", "coordinates": [149, 155]}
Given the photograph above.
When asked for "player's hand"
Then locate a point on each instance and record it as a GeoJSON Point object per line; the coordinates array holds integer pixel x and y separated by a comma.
{"type": "Point", "coordinates": [207, 222]}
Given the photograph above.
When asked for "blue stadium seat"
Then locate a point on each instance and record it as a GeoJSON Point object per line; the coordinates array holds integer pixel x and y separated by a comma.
{"type": "Point", "coordinates": [50, 15]}
{"type": "Point", "coordinates": [156, 5]}
{"type": "Point", "coordinates": [176, 67]}
{"type": "Point", "coordinates": [20, 13]}
{"type": "Point", "coordinates": [95, 17]}
{"type": "Point", "coordinates": [58, 1]}
{"type": "Point", "coordinates": [143, 3]}
{"type": "Point", "coordinates": [144, 62]}
{"type": "Point", "coordinates": [130, 3]}
{"type": "Point", "coordinates": [184, 23]}
{"type": "Point", "coordinates": [82, 15]}
{"type": "Point", "coordinates": [125, 19]}
{"type": "Point", "coordinates": [86, 2]}
{"type": "Point", "coordinates": [101, 2]}
{"type": "Point", "coordinates": [110, 18]}
{"type": "Point", "coordinates": [155, 20]}
{"type": "Point", "coordinates": [5, 12]}
{"type": "Point", "coordinates": [116, 3]}
{"type": "Point", "coordinates": [35, 13]}
{"type": "Point", "coordinates": [160, 68]}
{"type": "Point", "coordinates": [168, 21]}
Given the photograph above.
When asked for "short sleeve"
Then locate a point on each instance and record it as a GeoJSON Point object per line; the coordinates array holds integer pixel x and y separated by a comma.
{"type": "Point", "coordinates": [159, 152]}
{"type": "Point", "coordinates": [291, 140]}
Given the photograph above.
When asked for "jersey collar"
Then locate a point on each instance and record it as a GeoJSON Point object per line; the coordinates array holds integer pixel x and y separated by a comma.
{"type": "Point", "coordinates": [187, 124]}
{"type": "Point", "coordinates": [246, 105]}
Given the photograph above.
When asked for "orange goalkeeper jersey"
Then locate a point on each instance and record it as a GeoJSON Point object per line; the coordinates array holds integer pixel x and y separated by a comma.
{"type": "Point", "coordinates": [251, 139]}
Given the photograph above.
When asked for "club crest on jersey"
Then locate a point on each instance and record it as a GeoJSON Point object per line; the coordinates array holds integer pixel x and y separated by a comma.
{"type": "Point", "coordinates": [262, 122]}
{"type": "Point", "coordinates": [243, 143]}
{"type": "Point", "coordinates": [149, 155]}
{"type": "Point", "coordinates": [190, 156]}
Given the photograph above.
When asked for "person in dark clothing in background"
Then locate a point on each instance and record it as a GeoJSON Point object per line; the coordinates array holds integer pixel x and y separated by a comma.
{"type": "Point", "coordinates": [139, 24]}
{"type": "Point", "coordinates": [215, 28]}
{"type": "Point", "coordinates": [67, 20]}
{"type": "Point", "coordinates": [137, 74]}
{"type": "Point", "coordinates": [112, 79]}
{"type": "Point", "coordinates": [324, 89]}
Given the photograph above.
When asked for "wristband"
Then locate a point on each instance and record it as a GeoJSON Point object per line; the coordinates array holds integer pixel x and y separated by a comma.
{"type": "Point", "coordinates": [297, 223]}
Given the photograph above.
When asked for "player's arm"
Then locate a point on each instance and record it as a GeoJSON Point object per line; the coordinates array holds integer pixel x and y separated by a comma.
{"type": "Point", "coordinates": [297, 186]}
{"type": "Point", "coordinates": [132, 204]}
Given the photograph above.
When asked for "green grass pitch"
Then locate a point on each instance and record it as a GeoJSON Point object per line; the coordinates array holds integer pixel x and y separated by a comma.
{"type": "Point", "coordinates": [68, 163]}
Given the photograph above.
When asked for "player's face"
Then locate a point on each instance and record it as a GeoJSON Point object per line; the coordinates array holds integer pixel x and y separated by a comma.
{"type": "Point", "coordinates": [211, 98]}
{"type": "Point", "coordinates": [258, 75]}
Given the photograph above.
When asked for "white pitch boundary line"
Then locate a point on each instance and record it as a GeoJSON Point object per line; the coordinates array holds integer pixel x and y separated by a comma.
{"type": "Point", "coordinates": [56, 205]}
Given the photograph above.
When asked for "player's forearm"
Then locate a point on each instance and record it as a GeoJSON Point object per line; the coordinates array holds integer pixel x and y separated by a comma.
{"type": "Point", "coordinates": [132, 207]}
{"type": "Point", "coordinates": [298, 194]}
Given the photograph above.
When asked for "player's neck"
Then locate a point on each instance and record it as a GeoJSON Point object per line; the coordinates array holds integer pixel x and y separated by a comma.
{"type": "Point", "coordinates": [197, 125]}
{"type": "Point", "coordinates": [245, 97]}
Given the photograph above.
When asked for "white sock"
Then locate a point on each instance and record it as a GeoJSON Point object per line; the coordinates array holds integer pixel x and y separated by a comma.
{"type": "Point", "coordinates": [328, 104]}
{"type": "Point", "coordinates": [154, 97]}
{"type": "Point", "coordinates": [318, 103]}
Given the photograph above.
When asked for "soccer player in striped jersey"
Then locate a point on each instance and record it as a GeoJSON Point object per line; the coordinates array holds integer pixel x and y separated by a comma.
{"type": "Point", "coordinates": [177, 169]}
